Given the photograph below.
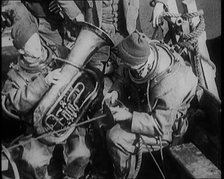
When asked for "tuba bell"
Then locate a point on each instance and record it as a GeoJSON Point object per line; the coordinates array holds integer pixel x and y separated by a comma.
{"type": "Point", "coordinates": [65, 103]}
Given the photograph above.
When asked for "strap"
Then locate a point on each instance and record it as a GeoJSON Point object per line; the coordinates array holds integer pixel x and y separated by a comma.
{"type": "Point", "coordinates": [18, 77]}
{"type": "Point", "coordinates": [7, 154]}
{"type": "Point", "coordinates": [4, 108]}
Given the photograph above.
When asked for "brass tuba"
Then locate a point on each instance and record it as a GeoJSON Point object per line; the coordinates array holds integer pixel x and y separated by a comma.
{"type": "Point", "coordinates": [65, 103]}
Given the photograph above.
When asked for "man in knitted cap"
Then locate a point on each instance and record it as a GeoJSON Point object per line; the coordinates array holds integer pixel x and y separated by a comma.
{"type": "Point", "coordinates": [156, 87]}
{"type": "Point", "coordinates": [28, 80]}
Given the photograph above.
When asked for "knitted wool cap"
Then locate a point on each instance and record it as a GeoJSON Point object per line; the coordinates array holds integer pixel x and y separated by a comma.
{"type": "Point", "coordinates": [21, 32]}
{"type": "Point", "coordinates": [134, 50]}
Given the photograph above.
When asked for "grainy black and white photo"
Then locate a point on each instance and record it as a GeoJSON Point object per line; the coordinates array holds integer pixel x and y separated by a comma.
{"type": "Point", "coordinates": [111, 89]}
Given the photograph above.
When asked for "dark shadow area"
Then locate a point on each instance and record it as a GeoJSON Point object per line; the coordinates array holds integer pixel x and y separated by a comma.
{"type": "Point", "coordinates": [214, 48]}
{"type": "Point", "coordinates": [170, 168]}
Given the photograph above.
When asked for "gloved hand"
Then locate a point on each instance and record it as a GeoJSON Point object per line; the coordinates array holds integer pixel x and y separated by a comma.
{"type": "Point", "coordinates": [6, 20]}
{"type": "Point", "coordinates": [110, 98]}
{"type": "Point", "coordinates": [121, 113]}
{"type": "Point", "coordinates": [157, 14]}
{"type": "Point", "coordinates": [80, 18]}
{"type": "Point", "coordinates": [54, 77]}
{"type": "Point", "coordinates": [54, 7]}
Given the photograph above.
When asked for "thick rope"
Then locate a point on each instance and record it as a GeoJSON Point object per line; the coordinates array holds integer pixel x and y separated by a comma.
{"type": "Point", "coordinates": [187, 16]}
{"type": "Point", "coordinates": [198, 67]}
{"type": "Point", "coordinates": [139, 155]}
{"type": "Point", "coordinates": [190, 41]}
{"type": "Point", "coordinates": [198, 31]}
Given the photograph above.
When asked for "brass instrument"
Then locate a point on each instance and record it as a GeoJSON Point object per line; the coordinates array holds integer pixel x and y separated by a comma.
{"type": "Point", "coordinates": [66, 103]}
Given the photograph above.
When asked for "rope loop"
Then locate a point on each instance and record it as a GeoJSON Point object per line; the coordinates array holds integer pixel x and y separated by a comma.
{"type": "Point", "coordinates": [190, 40]}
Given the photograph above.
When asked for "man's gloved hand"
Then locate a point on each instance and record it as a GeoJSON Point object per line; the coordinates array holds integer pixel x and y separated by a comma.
{"type": "Point", "coordinates": [6, 20]}
{"type": "Point", "coordinates": [157, 14]}
{"type": "Point", "coordinates": [54, 77]}
{"type": "Point", "coordinates": [54, 7]}
{"type": "Point", "coordinates": [110, 98]}
{"type": "Point", "coordinates": [121, 114]}
{"type": "Point", "coordinates": [80, 18]}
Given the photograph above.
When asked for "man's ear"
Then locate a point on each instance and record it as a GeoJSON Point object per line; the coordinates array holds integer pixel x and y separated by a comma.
{"type": "Point", "coordinates": [21, 51]}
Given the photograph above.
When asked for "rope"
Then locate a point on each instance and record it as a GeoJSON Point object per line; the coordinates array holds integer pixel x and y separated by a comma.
{"type": "Point", "coordinates": [169, 14]}
{"type": "Point", "coordinates": [188, 16]}
{"type": "Point", "coordinates": [139, 154]}
{"type": "Point", "coordinates": [193, 14]}
{"type": "Point", "coordinates": [197, 32]}
{"type": "Point", "coordinates": [160, 170]}
{"type": "Point", "coordinates": [184, 16]}
{"type": "Point", "coordinates": [198, 67]}
{"type": "Point", "coordinates": [190, 41]}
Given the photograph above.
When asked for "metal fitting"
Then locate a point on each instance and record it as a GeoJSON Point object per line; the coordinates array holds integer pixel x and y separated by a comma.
{"type": "Point", "coordinates": [179, 21]}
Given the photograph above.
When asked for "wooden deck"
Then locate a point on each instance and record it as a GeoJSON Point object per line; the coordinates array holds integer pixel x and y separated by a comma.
{"type": "Point", "coordinates": [194, 161]}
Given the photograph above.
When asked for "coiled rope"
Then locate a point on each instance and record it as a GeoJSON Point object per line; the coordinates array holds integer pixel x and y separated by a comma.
{"type": "Point", "coordinates": [139, 155]}
{"type": "Point", "coordinates": [190, 40]}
